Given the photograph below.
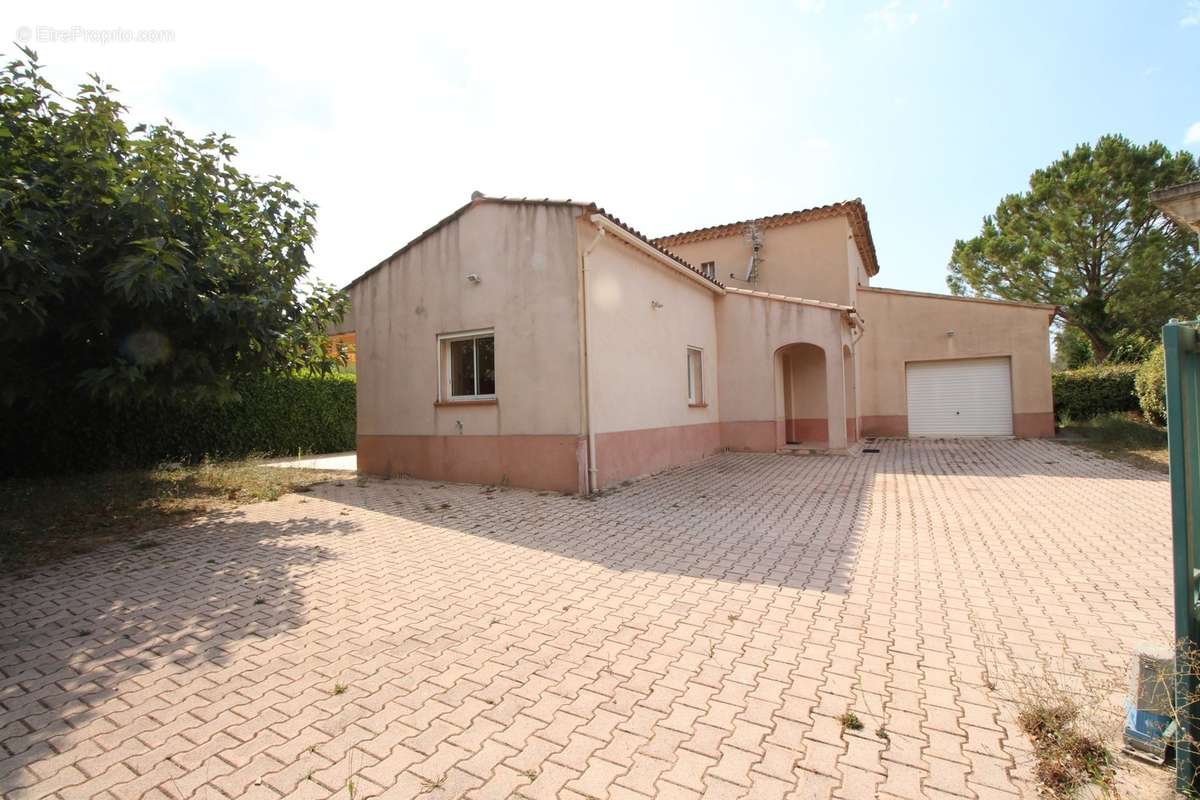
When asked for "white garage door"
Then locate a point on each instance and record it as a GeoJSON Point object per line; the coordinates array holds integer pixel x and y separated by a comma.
{"type": "Point", "coordinates": [960, 398]}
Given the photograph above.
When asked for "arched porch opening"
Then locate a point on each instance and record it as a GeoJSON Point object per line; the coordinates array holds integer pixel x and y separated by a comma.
{"type": "Point", "coordinates": [805, 405]}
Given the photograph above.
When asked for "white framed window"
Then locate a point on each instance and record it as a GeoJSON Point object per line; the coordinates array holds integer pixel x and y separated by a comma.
{"type": "Point", "coordinates": [709, 268]}
{"type": "Point", "coordinates": [467, 365]}
{"type": "Point", "coordinates": [695, 374]}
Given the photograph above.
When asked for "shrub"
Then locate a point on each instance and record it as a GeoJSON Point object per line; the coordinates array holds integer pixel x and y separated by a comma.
{"type": "Point", "coordinates": [1151, 387]}
{"type": "Point", "coordinates": [274, 415]}
{"type": "Point", "coordinates": [1090, 391]}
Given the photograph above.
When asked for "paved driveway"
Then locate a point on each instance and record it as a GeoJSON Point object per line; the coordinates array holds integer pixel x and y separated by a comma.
{"type": "Point", "coordinates": [693, 634]}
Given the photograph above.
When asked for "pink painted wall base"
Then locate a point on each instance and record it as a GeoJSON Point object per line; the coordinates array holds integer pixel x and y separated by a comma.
{"type": "Point", "coordinates": [627, 454]}
{"type": "Point", "coordinates": [555, 462]}
{"type": "Point", "coordinates": [808, 431]}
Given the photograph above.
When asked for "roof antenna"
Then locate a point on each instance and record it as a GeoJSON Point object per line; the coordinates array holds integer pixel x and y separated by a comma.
{"type": "Point", "coordinates": [476, 195]}
{"type": "Point", "coordinates": [753, 236]}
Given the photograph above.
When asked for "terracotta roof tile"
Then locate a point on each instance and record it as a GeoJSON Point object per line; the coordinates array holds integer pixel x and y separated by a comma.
{"type": "Point", "coordinates": [617, 221]}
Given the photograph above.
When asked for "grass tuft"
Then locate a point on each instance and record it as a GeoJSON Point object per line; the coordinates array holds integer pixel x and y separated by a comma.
{"type": "Point", "coordinates": [428, 786]}
{"type": "Point", "coordinates": [850, 721]}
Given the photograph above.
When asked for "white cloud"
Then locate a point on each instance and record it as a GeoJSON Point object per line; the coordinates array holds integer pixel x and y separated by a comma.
{"type": "Point", "coordinates": [388, 118]}
{"type": "Point", "coordinates": [1193, 134]}
{"type": "Point", "coordinates": [1191, 14]}
{"type": "Point", "coordinates": [892, 17]}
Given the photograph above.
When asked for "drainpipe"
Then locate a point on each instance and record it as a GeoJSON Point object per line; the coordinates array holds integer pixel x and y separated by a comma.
{"type": "Point", "coordinates": [862, 329]}
{"type": "Point", "coordinates": [587, 368]}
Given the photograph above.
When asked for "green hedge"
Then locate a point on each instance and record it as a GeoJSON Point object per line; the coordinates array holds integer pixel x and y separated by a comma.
{"type": "Point", "coordinates": [1151, 387]}
{"type": "Point", "coordinates": [277, 415]}
{"type": "Point", "coordinates": [1091, 391]}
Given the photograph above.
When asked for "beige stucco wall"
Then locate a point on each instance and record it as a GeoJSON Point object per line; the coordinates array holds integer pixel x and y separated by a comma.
{"type": "Point", "coordinates": [906, 327]}
{"type": "Point", "coordinates": [638, 369]}
{"type": "Point", "coordinates": [751, 382]}
{"type": "Point", "coordinates": [804, 259]}
{"type": "Point", "coordinates": [526, 258]}
{"type": "Point", "coordinates": [806, 368]}
{"type": "Point", "coordinates": [858, 270]}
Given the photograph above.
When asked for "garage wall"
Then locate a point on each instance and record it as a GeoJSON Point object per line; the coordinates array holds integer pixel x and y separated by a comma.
{"type": "Point", "coordinates": [909, 326]}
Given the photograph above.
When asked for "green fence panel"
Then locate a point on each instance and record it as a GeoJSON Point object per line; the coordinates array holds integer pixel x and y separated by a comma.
{"type": "Point", "coordinates": [1181, 343]}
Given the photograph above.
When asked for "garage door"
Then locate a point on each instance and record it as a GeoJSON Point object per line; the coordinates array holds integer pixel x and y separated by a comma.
{"type": "Point", "coordinates": [960, 398]}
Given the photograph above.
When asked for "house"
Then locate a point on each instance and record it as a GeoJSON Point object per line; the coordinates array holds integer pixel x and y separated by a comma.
{"type": "Point", "coordinates": [547, 344]}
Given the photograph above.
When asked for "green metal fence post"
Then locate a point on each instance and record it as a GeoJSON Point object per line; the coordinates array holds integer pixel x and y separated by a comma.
{"type": "Point", "coordinates": [1180, 343]}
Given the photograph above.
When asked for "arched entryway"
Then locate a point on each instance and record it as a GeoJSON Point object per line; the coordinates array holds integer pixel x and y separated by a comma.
{"type": "Point", "coordinates": [851, 385]}
{"type": "Point", "coordinates": [805, 400]}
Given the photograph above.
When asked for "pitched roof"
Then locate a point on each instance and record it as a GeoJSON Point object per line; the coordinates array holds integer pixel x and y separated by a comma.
{"type": "Point", "coordinates": [854, 211]}
{"type": "Point", "coordinates": [478, 198]}
{"type": "Point", "coordinates": [647, 240]}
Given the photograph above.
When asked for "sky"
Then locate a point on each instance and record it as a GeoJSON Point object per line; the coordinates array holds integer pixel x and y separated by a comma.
{"type": "Point", "coordinates": [672, 115]}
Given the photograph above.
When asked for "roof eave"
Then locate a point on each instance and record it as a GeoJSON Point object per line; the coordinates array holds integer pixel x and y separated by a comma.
{"type": "Point", "coordinates": [614, 226]}
{"type": "Point", "coordinates": [854, 211]}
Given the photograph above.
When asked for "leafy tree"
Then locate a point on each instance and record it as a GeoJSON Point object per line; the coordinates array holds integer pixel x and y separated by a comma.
{"type": "Point", "coordinates": [1086, 237]}
{"type": "Point", "coordinates": [1131, 347]}
{"type": "Point", "coordinates": [138, 264]}
{"type": "Point", "coordinates": [1072, 349]}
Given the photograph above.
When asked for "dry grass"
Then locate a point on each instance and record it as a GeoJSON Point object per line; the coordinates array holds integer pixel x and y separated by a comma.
{"type": "Point", "coordinates": [1065, 705]}
{"type": "Point", "coordinates": [1069, 756]}
{"type": "Point", "coordinates": [1123, 437]}
{"type": "Point", "coordinates": [45, 520]}
{"type": "Point", "coordinates": [1065, 710]}
{"type": "Point", "coordinates": [850, 721]}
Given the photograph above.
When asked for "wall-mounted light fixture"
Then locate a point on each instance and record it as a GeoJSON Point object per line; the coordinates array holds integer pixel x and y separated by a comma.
{"type": "Point", "coordinates": [949, 333]}
{"type": "Point", "coordinates": [473, 277]}
{"type": "Point", "coordinates": [655, 304]}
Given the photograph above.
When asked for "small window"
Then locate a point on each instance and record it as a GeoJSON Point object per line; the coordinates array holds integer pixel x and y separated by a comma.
{"type": "Point", "coordinates": [695, 369]}
{"type": "Point", "coordinates": [709, 268]}
{"type": "Point", "coordinates": [469, 365]}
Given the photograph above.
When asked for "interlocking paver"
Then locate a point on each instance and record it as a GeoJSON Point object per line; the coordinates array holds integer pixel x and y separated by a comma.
{"type": "Point", "coordinates": [696, 633]}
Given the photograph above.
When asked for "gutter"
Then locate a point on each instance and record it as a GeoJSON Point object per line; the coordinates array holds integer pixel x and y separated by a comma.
{"type": "Point", "coordinates": [607, 225]}
{"type": "Point", "coordinates": [586, 377]}
{"type": "Point", "coordinates": [799, 301]}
